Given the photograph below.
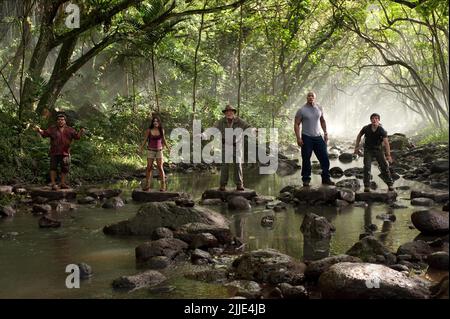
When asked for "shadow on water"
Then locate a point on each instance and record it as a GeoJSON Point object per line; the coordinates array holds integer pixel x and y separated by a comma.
{"type": "Point", "coordinates": [33, 264]}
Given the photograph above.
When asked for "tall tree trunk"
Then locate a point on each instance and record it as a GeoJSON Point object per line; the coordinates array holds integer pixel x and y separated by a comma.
{"type": "Point", "coordinates": [199, 40]}
{"type": "Point", "coordinates": [239, 63]}
{"type": "Point", "coordinates": [155, 85]}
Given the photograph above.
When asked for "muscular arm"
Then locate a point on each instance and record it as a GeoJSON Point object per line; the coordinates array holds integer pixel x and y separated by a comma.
{"type": "Point", "coordinates": [323, 124]}
{"type": "Point", "coordinates": [358, 140]}
{"type": "Point", "coordinates": [297, 125]}
{"type": "Point", "coordinates": [387, 148]}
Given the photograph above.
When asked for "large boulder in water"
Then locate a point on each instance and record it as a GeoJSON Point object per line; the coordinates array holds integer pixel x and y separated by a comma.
{"type": "Point", "coordinates": [316, 227]}
{"type": "Point", "coordinates": [143, 280]}
{"type": "Point", "coordinates": [370, 249]}
{"type": "Point", "coordinates": [399, 141]}
{"type": "Point", "coordinates": [165, 214]}
{"type": "Point", "coordinates": [430, 222]}
{"type": "Point", "coordinates": [316, 268]}
{"type": "Point", "coordinates": [268, 266]}
{"type": "Point", "coordinates": [370, 281]}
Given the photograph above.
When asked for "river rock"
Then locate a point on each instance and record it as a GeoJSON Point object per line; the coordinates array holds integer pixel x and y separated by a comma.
{"type": "Point", "coordinates": [157, 262]}
{"type": "Point", "coordinates": [383, 197]}
{"type": "Point", "coordinates": [351, 183]}
{"type": "Point", "coordinates": [346, 194]}
{"type": "Point", "coordinates": [245, 288]}
{"type": "Point", "coordinates": [316, 227]}
{"type": "Point", "coordinates": [440, 290]}
{"type": "Point", "coordinates": [422, 201]}
{"type": "Point", "coordinates": [438, 260]}
{"type": "Point", "coordinates": [285, 168]}
{"type": "Point", "coordinates": [211, 201]}
{"type": "Point", "coordinates": [85, 270]}
{"type": "Point", "coordinates": [103, 193]}
{"type": "Point", "coordinates": [368, 248]}
{"type": "Point", "coordinates": [346, 157]}
{"type": "Point", "coordinates": [47, 222]}
{"type": "Point", "coordinates": [399, 142]}
{"type": "Point", "coordinates": [62, 206]}
{"type": "Point", "coordinates": [155, 196]}
{"type": "Point", "coordinates": [316, 268]}
{"type": "Point", "coordinates": [188, 232]}
{"type": "Point", "coordinates": [418, 250]}
{"type": "Point", "coordinates": [165, 214]}
{"type": "Point", "coordinates": [439, 166]}
{"type": "Point", "coordinates": [336, 172]}
{"type": "Point", "coordinates": [317, 195]}
{"type": "Point", "coordinates": [369, 281]}
{"type": "Point", "coordinates": [184, 202]}
{"type": "Point", "coordinates": [41, 209]}
{"type": "Point", "coordinates": [169, 247]}
{"type": "Point", "coordinates": [224, 195]}
{"type": "Point", "coordinates": [7, 211]}
{"type": "Point", "coordinates": [268, 266]}
{"type": "Point", "coordinates": [204, 240]}
{"type": "Point", "coordinates": [238, 203]}
{"type": "Point", "coordinates": [430, 222]}
{"type": "Point", "coordinates": [47, 192]}
{"type": "Point", "coordinates": [113, 203]}
{"type": "Point", "coordinates": [208, 275]}
{"type": "Point", "coordinates": [200, 257]}
{"type": "Point", "coordinates": [293, 292]}
{"type": "Point", "coordinates": [161, 232]}
{"type": "Point", "coordinates": [439, 197]}
{"type": "Point", "coordinates": [144, 280]}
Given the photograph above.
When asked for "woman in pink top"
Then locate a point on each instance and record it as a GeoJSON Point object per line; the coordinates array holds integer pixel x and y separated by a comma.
{"type": "Point", "coordinates": [154, 136]}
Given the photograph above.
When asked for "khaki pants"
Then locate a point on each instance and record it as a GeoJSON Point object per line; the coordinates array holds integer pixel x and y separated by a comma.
{"type": "Point", "coordinates": [235, 166]}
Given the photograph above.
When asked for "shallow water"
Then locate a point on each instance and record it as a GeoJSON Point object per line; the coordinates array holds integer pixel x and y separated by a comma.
{"type": "Point", "coordinates": [33, 264]}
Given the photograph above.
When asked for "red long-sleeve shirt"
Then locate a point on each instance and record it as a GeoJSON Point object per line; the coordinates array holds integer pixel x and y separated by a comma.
{"type": "Point", "coordinates": [60, 140]}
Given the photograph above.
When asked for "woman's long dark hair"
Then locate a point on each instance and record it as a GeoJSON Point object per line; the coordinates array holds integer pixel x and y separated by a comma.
{"type": "Point", "coordinates": [160, 128]}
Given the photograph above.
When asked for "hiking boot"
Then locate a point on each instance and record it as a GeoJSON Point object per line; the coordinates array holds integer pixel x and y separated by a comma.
{"type": "Point", "coordinates": [391, 188]}
{"type": "Point", "coordinates": [222, 188]}
{"type": "Point", "coordinates": [64, 186]}
{"type": "Point", "coordinates": [328, 182]}
{"type": "Point", "coordinates": [54, 187]}
{"type": "Point", "coordinates": [366, 189]}
{"type": "Point", "coordinates": [240, 188]}
{"type": "Point", "coordinates": [306, 184]}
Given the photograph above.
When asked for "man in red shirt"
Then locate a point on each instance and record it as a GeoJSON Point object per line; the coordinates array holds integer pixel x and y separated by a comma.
{"type": "Point", "coordinates": [61, 136]}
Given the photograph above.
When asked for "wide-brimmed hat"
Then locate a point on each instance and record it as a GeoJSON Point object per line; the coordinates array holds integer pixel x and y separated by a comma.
{"type": "Point", "coordinates": [228, 107]}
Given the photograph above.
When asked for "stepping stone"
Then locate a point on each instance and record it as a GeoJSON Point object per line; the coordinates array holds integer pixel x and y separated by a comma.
{"type": "Point", "coordinates": [47, 222]}
{"type": "Point", "coordinates": [47, 192]}
{"type": "Point", "coordinates": [383, 197]}
{"type": "Point", "coordinates": [156, 196]}
{"type": "Point", "coordinates": [103, 193]}
{"type": "Point", "coordinates": [224, 195]}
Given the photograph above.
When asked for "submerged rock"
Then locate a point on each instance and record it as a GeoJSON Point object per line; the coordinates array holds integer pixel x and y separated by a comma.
{"type": "Point", "coordinates": [316, 227]}
{"type": "Point", "coordinates": [224, 195]}
{"type": "Point", "coordinates": [144, 280]}
{"type": "Point", "coordinates": [316, 268]}
{"type": "Point", "coordinates": [430, 222]}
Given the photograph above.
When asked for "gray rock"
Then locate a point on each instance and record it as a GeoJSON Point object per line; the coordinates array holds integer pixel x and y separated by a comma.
{"type": "Point", "coordinates": [350, 183]}
{"type": "Point", "coordinates": [346, 157]}
{"type": "Point", "coordinates": [7, 211]}
{"type": "Point", "coordinates": [316, 268]}
{"type": "Point", "coordinates": [439, 197]}
{"type": "Point", "coordinates": [268, 266]}
{"type": "Point", "coordinates": [204, 240]}
{"type": "Point", "coordinates": [41, 209]}
{"type": "Point", "coordinates": [188, 232]}
{"type": "Point", "coordinates": [360, 204]}
{"type": "Point", "coordinates": [158, 262]}
{"type": "Point", "coordinates": [397, 205]}
{"type": "Point", "coordinates": [293, 292]}
{"type": "Point", "coordinates": [430, 222]}
{"type": "Point", "coordinates": [161, 232]}
{"type": "Point", "coordinates": [224, 195]}
{"type": "Point", "coordinates": [316, 227]}
{"type": "Point", "coordinates": [103, 193]}
{"type": "Point", "coordinates": [184, 202]}
{"type": "Point", "coordinates": [422, 201]}
{"type": "Point", "coordinates": [336, 172]}
{"type": "Point", "coordinates": [317, 195]}
{"type": "Point", "coordinates": [238, 203]}
{"type": "Point", "coordinates": [418, 250]}
{"type": "Point", "coordinates": [245, 288]}
{"type": "Point", "coordinates": [47, 192]}
{"type": "Point", "coordinates": [199, 257]}
{"type": "Point", "coordinates": [156, 196]}
{"type": "Point", "coordinates": [166, 214]}
{"type": "Point", "coordinates": [211, 201]}
{"type": "Point", "coordinates": [113, 203]}
{"type": "Point", "coordinates": [346, 194]}
{"type": "Point", "coordinates": [169, 247]}
{"type": "Point", "coordinates": [368, 248]}
{"type": "Point", "coordinates": [208, 275]}
{"type": "Point", "coordinates": [144, 280]}
{"type": "Point", "coordinates": [85, 270]}
{"type": "Point", "coordinates": [63, 206]}
{"type": "Point", "coordinates": [438, 260]}
{"type": "Point", "coordinates": [439, 166]}
{"type": "Point", "coordinates": [369, 281]}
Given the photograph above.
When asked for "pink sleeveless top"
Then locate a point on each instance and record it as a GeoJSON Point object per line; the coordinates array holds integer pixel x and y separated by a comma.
{"type": "Point", "coordinates": [154, 142]}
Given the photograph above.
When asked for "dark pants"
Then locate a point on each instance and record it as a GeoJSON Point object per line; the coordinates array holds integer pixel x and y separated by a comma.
{"type": "Point", "coordinates": [236, 167]}
{"type": "Point", "coordinates": [60, 160]}
{"type": "Point", "coordinates": [369, 154]}
{"type": "Point", "coordinates": [319, 147]}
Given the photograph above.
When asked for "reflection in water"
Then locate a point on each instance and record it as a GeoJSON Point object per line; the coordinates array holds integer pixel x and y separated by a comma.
{"type": "Point", "coordinates": [314, 249]}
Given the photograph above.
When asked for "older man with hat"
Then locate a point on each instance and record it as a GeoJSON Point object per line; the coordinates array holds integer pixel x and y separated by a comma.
{"type": "Point", "coordinates": [61, 136]}
{"type": "Point", "coordinates": [230, 120]}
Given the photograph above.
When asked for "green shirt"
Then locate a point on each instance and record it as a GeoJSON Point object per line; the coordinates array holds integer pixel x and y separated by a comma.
{"type": "Point", "coordinates": [237, 122]}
